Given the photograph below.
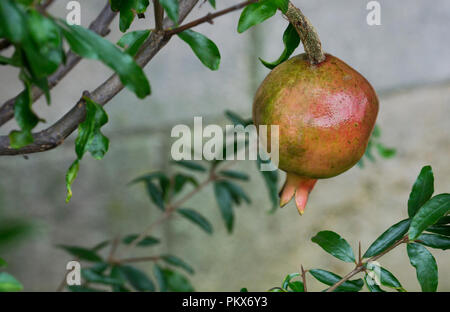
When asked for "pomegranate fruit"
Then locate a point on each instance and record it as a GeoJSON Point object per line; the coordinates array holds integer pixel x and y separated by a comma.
{"type": "Point", "coordinates": [325, 112]}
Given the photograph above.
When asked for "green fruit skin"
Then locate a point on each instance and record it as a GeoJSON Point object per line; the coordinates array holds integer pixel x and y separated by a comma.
{"type": "Point", "coordinates": [326, 114]}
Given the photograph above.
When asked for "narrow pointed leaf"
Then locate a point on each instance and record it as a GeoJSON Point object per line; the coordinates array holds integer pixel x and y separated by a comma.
{"type": "Point", "coordinates": [196, 218]}
{"type": "Point", "coordinates": [224, 200]}
{"type": "Point", "coordinates": [137, 278]}
{"type": "Point", "coordinates": [192, 165]}
{"type": "Point", "coordinates": [9, 283]}
{"type": "Point", "coordinates": [171, 8]}
{"type": "Point", "coordinates": [146, 242]}
{"type": "Point", "coordinates": [234, 175]}
{"type": "Point", "coordinates": [421, 191]}
{"type": "Point", "coordinates": [88, 44]}
{"type": "Point", "coordinates": [132, 41]}
{"type": "Point", "coordinates": [335, 245]}
{"type": "Point", "coordinates": [426, 267]}
{"type": "Point", "coordinates": [175, 261]}
{"type": "Point", "coordinates": [388, 238]}
{"type": "Point", "coordinates": [428, 214]}
{"type": "Point", "coordinates": [255, 14]}
{"type": "Point", "coordinates": [434, 241]}
{"type": "Point", "coordinates": [81, 253]}
{"type": "Point", "coordinates": [329, 278]}
{"type": "Point", "coordinates": [291, 40]}
{"type": "Point", "coordinates": [203, 48]}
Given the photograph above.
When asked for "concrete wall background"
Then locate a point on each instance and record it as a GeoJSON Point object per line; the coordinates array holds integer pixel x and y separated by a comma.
{"type": "Point", "coordinates": [404, 58]}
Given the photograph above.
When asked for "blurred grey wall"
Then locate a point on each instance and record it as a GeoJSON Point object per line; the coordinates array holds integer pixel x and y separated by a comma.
{"type": "Point", "coordinates": [406, 59]}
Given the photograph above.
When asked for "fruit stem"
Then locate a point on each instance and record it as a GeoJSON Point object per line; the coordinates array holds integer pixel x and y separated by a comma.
{"type": "Point", "coordinates": [307, 33]}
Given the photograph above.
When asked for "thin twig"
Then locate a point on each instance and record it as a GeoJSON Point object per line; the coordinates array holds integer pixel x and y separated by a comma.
{"type": "Point", "coordinates": [305, 289]}
{"type": "Point", "coordinates": [361, 266]}
{"type": "Point", "coordinates": [167, 213]}
{"type": "Point", "coordinates": [171, 208]}
{"type": "Point", "coordinates": [209, 17]}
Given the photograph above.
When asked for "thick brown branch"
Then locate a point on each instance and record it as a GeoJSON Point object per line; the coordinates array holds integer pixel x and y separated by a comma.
{"type": "Point", "coordinates": [55, 135]}
{"type": "Point", "coordinates": [100, 25]}
{"type": "Point", "coordinates": [159, 15]}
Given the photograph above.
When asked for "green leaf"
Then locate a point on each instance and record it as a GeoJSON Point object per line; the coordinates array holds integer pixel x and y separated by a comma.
{"type": "Point", "coordinates": [389, 280]}
{"type": "Point", "coordinates": [434, 241]}
{"type": "Point", "coordinates": [297, 286]}
{"type": "Point", "coordinates": [146, 242]}
{"type": "Point", "coordinates": [440, 229]}
{"type": "Point", "coordinates": [71, 175]}
{"type": "Point", "coordinates": [180, 180]}
{"type": "Point", "coordinates": [12, 21]}
{"type": "Point", "coordinates": [224, 200]}
{"type": "Point", "coordinates": [11, 231]}
{"type": "Point", "coordinates": [171, 8]}
{"type": "Point", "coordinates": [196, 218]}
{"type": "Point", "coordinates": [376, 133]}
{"type": "Point", "coordinates": [277, 289]}
{"type": "Point", "coordinates": [99, 267]}
{"type": "Point", "coordinates": [26, 119]}
{"type": "Point", "coordinates": [117, 275]}
{"type": "Point", "coordinates": [236, 192]}
{"type": "Point", "coordinates": [388, 238]}
{"type": "Point", "coordinates": [43, 48]}
{"type": "Point", "coordinates": [335, 245]}
{"type": "Point", "coordinates": [291, 40]}
{"type": "Point", "coordinates": [101, 245]}
{"type": "Point", "coordinates": [371, 284]}
{"type": "Point", "coordinates": [155, 194]}
{"type": "Point", "coordinates": [138, 279]}
{"type": "Point", "coordinates": [444, 220]}
{"type": "Point", "coordinates": [255, 14]}
{"type": "Point", "coordinates": [3, 263]}
{"type": "Point", "coordinates": [9, 283]}
{"type": "Point", "coordinates": [159, 274]}
{"type": "Point", "coordinates": [237, 120]}
{"type": "Point", "coordinates": [281, 4]}
{"type": "Point", "coordinates": [203, 48]}
{"type": "Point", "coordinates": [90, 138]}
{"type": "Point", "coordinates": [94, 277]}
{"type": "Point", "coordinates": [213, 3]}
{"type": "Point", "coordinates": [288, 279]}
{"type": "Point", "coordinates": [428, 214]}
{"type": "Point", "coordinates": [128, 10]}
{"type": "Point", "coordinates": [81, 253]}
{"type": "Point", "coordinates": [234, 175]}
{"type": "Point", "coordinates": [421, 191]}
{"type": "Point", "coordinates": [384, 151]}
{"type": "Point", "coordinates": [88, 44]}
{"type": "Point", "coordinates": [329, 278]}
{"type": "Point", "coordinates": [271, 180]}
{"type": "Point", "coordinates": [243, 290]}
{"type": "Point", "coordinates": [175, 281]}
{"type": "Point", "coordinates": [426, 267]}
{"type": "Point", "coordinates": [175, 261]}
{"type": "Point", "coordinates": [132, 41]}
{"type": "Point", "coordinates": [192, 165]}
